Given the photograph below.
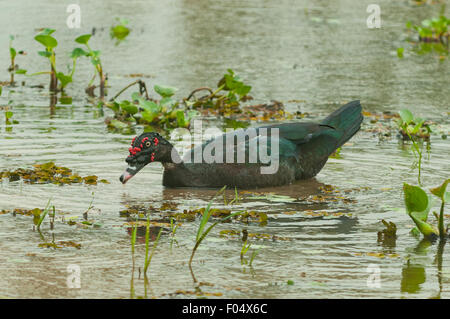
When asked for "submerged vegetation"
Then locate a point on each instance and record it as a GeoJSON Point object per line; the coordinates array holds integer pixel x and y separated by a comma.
{"type": "Point", "coordinates": [430, 35]}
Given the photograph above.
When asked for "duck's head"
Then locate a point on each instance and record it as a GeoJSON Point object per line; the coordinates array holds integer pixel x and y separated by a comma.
{"type": "Point", "coordinates": [145, 149]}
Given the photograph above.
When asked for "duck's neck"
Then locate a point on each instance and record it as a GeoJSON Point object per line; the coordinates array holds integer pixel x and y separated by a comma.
{"type": "Point", "coordinates": [170, 157]}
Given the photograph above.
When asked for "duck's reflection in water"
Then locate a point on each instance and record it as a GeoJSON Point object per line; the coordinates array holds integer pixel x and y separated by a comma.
{"type": "Point", "coordinates": [289, 198]}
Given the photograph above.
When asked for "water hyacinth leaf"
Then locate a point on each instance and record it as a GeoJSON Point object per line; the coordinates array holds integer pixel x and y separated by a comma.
{"type": "Point", "coordinates": [406, 116]}
{"type": "Point", "coordinates": [400, 52]}
{"type": "Point", "coordinates": [77, 52]}
{"type": "Point", "coordinates": [12, 52]}
{"type": "Point", "coordinates": [83, 39]}
{"type": "Point", "coordinates": [136, 96]}
{"type": "Point", "coordinates": [8, 114]}
{"type": "Point", "coordinates": [425, 228]}
{"type": "Point", "coordinates": [119, 32]}
{"type": "Point", "coordinates": [64, 79]}
{"type": "Point", "coordinates": [114, 106]}
{"type": "Point", "coordinates": [149, 106]}
{"type": "Point", "coordinates": [441, 192]}
{"type": "Point", "coordinates": [45, 54]}
{"type": "Point", "coordinates": [164, 91]}
{"type": "Point", "coordinates": [181, 121]}
{"type": "Point", "coordinates": [47, 31]}
{"type": "Point", "coordinates": [46, 40]}
{"type": "Point", "coordinates": [166, 102]}
{"type": "Point", "coordinates": [128, 107]}
{"type": "Point", "coordinates": [416, 200]}
{"type": "Point", "coordinates": [118, 124]}
{"type": "Point", "coordinates": [21, 71]}
{"type": "Point", "coordinates": [148, 116]}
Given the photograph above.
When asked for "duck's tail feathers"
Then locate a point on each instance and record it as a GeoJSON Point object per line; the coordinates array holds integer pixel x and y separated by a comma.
{"type": "Point", "coordinates": [346, 121]}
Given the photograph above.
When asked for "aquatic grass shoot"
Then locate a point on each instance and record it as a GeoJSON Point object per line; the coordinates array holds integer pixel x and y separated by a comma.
{"type": "Point", "coordinates": [173, 230]}
{"type": "Point", "coordinates": [245, 248]}
{"type": "Point", "coordinates": [41, 217]}
{"type": "Point", "coordinates": [201, 233]}
{"type": "Point", "coordinates": [148, 258]}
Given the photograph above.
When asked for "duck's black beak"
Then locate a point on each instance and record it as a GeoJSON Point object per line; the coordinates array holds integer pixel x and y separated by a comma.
{"type": "Point", "coordinates": [130, 172]}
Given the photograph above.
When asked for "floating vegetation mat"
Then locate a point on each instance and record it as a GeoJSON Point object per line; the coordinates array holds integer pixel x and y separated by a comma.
{"type": "Point", "coordinates": [49, 173]}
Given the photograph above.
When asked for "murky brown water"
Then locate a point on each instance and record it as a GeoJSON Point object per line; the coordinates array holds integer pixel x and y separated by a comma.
{"type": "Point", "coordinates": [285, 53]}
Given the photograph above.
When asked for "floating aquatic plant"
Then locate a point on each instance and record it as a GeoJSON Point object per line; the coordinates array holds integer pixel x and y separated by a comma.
{"type": "Point", "coordinates": [418, 205]}
{"type": "Point", "coordinates": [164, 113]}
{"type": "Point", "coordinates": [14, 68]}
{"type": "Point", "coordinates": [120, 31]}
{"type": "Point", "coordinates": [49, 173]}
{"type": "Point", "coordinates": [414, 128]}
{"type": "Point", "coordinates": [226, 98]}
{"type": "Point", "coordinates": [94, 56]}
{"type": "Point", "coordinates": [432, 35]}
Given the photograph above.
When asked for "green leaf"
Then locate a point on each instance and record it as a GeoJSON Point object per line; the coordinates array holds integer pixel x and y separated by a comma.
{"type": "Point", "coordinates": [400, 52]}
{"type": "Point", "coordinates": [118, 124]}
{"type": "Point", "coordinates": [46, 40]}
{"type": "Point", "coordinates": [1, 87]}
{"type": "Point", "coordinates": [8, 114]}
{"type": "Point", "coordinates": [12, 52]}
{"type": "Point", "coordinates": [64, 79]}
{"type": "Point", "coordinates": [21, 71]}
{"type": "Point", "coordinates": [120, 32]}
{"type": "Point", "coordinates": [406, 116]}
{"type": "Point", "coordinates": [128, 107]}
{"type": "Point", "coordinates": [425, 228]}
{"type": "Point", "coordinates": [45, 54]}
{"type": "Point", "coordinates": [149, 106]}
{"type": "Point", "coordinates": [181, 119]}
{"type": "Point", "coordinates": [440, 191]}
{"type": "Point", "coordinates": [83, 39]}
{"type": "Point", "coordinates": [148, 116]}
{"type": "Point", "coordinates": [416, 200]}
{"type": "Point", "coordinates": [166, 102]}
{"type": "Point", "coordinates": [136, 96]}
{"type": "Point", "coordinates": [47, 31]}
{"type": "Point", "coordinates": [165, 91]}
{"type": "Point", "coordinates": [77, 52]}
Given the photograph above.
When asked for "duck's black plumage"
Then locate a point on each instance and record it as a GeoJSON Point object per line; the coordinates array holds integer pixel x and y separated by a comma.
{"type": "Point", "coordinates": [303, 150]}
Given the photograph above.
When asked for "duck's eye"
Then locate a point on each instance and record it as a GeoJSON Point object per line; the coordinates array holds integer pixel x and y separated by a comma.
{"type": "Point", "coordinates": [148, 144]}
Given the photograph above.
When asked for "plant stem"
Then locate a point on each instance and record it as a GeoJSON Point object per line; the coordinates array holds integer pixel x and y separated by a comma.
{"type": "Point", "coordinates": [199, 240]}
{"type": "Point", "coordinates": [199, 89]}
{"type": "Point", "coordinates": [149, 259]}
{"type": "Point", "coordinates": [416, 147]}
{"type": "Point", "coordinates": [124, 89]}
{"type": "Point", "coordinates": [441, 222]}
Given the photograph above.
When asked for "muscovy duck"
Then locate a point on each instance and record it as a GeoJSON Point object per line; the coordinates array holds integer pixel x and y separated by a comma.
{"type": "Point", "coordinates": [295, 151]}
